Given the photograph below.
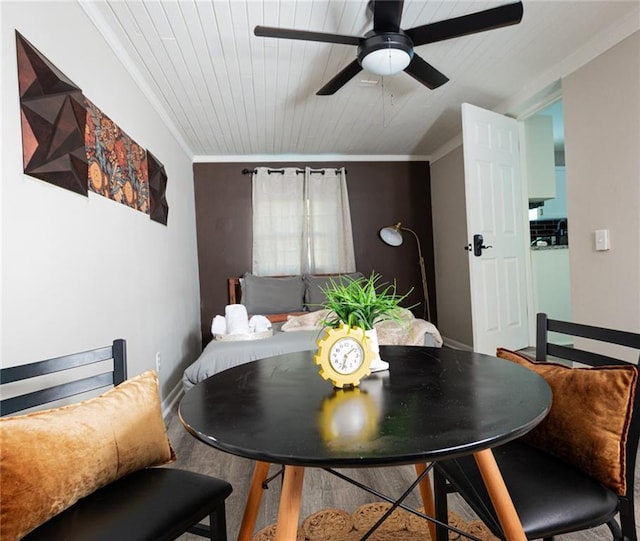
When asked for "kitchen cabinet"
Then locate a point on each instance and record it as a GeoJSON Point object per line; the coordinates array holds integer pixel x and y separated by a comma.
{"type": "Point", "coordinates": [539, 158]}
{"type": "Point", "coordinates": [556, 209]}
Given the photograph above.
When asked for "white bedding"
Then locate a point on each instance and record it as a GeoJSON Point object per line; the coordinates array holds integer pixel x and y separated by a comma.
{"type": "Point", "coordinates": [299, 333]}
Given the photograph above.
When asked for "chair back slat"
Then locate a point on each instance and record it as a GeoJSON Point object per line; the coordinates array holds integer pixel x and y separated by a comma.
{"type": "Point", "coordinates": [581, 356]}
{"type": "Point", "coordinates": [613, 336]}
{"type": "Point", "coordinates": [114, 376]}
{"type": "Point", "coordinates": [50, 366]}
{"type": "Point", "coordinates": [54, 393]}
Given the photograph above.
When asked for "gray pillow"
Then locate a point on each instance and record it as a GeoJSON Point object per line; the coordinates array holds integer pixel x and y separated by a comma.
{"type": "Point", "coordinates": [313, 286]}
{"type": "Point", "coordinates": [265, 295]}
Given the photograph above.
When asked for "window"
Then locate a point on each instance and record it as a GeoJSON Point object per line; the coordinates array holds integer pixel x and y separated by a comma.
{"type": "Point", "coordinates": [301, 222]}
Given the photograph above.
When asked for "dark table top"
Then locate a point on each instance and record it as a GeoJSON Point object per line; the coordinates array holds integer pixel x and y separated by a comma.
{"type": "Point", "coordinates": [431, 403]}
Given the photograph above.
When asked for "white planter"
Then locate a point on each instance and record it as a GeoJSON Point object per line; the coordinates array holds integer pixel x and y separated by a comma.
{"type": "Point", "coordinates": [377, 364]}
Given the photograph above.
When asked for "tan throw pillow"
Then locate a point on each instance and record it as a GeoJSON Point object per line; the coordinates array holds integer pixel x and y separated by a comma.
{"type": "Point", "coordinates": [589, 418]}
{"type": "Point", "coordinates": [51, 459]}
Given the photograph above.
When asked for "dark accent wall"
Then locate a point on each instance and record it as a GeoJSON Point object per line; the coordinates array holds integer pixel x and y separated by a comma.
{"type": "Point", "coordinates": [380, 194]}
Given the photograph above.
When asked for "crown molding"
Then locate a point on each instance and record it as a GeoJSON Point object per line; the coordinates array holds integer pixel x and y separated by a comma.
{"type": "Point", "coordinates": [269, 158]}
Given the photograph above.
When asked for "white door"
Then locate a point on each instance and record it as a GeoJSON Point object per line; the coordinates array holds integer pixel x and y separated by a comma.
{"type": "Point", "coordinates": [495, 210]}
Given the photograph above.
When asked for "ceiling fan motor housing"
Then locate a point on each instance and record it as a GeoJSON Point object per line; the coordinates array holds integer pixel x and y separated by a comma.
{"type": "Point", "coordinates": [397, 43]}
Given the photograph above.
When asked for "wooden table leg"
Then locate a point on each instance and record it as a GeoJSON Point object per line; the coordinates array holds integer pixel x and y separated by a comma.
{"type": "Point", "coordinates": [426, 492]}
{"type": "Point", "coordinates": [502, 503]}
{"type": "Point", "coordinates": [252, 506]}
{"type": "Point", "coordinates": [289, 510]}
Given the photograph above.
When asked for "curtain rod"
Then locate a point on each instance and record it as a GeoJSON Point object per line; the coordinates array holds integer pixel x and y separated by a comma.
{"type": "Point", "coordinates": [298, 171]}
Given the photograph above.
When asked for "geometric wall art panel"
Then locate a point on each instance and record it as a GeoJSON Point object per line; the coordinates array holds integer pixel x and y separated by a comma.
{"type": "Point", "coordinates": [69, 142]}
{"type": "Point", "coordinates": [53, 119]}
{"type": "Point", "coordinates": [117, 165]}
{"type": "Point", "coordinates": [157, 189]}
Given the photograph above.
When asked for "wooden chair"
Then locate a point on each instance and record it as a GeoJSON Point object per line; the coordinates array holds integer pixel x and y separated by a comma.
{"type": "Point", "coordinates": [551, 495]}
{"type": "Point", "coordinates": [151, 504]}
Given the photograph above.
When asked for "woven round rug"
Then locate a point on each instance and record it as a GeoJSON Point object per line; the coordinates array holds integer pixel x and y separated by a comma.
{"type": "Point", "coordinates": [327, 525]}
{"type": "Point", "coordinates": [421, 525]}
{"type": "Point", "coordinates": [479, 529]}
{"type": "Point", "coordinates": [268, 533]}
{"type": "Point", "coordinates": [338, 525]}
{"type": "Point", "coordinates": [368, 514]}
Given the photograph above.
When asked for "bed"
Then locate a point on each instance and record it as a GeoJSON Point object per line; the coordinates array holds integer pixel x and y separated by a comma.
{"type": "Point", "coordinates": [293, 305]}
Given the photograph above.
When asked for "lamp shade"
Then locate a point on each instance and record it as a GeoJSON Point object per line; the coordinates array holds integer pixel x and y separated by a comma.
{"type": "Point", "coordinates": [386, 61]}
{"type": "Point", "coordinates": [391, 235]}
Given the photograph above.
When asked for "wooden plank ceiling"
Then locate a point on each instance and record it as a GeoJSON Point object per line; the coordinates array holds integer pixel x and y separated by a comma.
{"type": "Point", "coordinates": [226, 92]}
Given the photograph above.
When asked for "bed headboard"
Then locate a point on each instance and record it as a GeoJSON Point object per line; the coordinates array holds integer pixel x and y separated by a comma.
{"type": "Point", "coordinates": [235, 290]}
{"type": "Point", "coordinates": [312, 286]}
{"type": "Point", "coordinates": [235, 297]}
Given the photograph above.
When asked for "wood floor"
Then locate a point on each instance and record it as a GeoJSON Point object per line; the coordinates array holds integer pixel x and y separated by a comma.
{"type": "Point", "coordinates": [321, 489]}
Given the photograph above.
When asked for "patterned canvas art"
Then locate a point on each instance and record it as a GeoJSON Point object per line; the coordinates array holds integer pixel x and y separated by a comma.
{"type": "Point", "coordinates": [117, 164]}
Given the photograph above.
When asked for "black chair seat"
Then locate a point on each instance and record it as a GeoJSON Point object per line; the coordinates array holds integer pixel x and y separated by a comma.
{"type": "Point", "coordinates": [155, 504]}
{"type": "Point", "coordinates": [551, 496]}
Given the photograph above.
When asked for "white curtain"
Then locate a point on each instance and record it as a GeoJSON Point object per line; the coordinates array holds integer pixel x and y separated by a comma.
{"type": "Point", "coordinates": [301, 222]}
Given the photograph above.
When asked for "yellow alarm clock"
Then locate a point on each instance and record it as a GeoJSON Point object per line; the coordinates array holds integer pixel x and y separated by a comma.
{"type": "Point", "coordinates": [344, 356]}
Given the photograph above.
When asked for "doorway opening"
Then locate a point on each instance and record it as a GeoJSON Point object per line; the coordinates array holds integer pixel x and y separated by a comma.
{"type": "Point", "coordinates": [544, 168]}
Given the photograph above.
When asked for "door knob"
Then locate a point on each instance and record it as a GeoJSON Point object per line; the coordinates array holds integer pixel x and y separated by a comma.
{"type": "Point", "coordinates": [478, 245]}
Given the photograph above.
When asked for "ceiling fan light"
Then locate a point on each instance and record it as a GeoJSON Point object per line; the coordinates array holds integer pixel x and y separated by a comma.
{"type": "Point", "coordinates": [386, 61]}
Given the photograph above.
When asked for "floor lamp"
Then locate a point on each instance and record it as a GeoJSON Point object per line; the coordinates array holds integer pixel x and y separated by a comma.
{"type": "Point", "coordinates": [392, 235]}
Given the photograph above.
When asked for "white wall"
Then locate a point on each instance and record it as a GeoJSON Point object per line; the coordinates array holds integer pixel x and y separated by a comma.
{"type": "Point", "coordinates": [452, 262]}
{"type": "Point", "coordinates": [78, 272]}
{"type": "Point", "coordinates": [602, 150]}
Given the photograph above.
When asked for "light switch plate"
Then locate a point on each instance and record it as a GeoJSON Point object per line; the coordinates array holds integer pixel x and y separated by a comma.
{"type": "Point", "coordinates": [602, 240]}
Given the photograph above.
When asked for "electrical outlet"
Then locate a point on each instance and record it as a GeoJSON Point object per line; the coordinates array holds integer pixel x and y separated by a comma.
{"type": "Point", "coordinates": [158, 362]}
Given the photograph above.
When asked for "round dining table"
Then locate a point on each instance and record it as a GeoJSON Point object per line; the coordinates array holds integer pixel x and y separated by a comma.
{"type": "Point", "coordinates": [432, 403]}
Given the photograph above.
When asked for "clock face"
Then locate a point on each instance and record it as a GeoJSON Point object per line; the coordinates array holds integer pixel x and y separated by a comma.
{"type": "Point", "coordinates": [343, 357]}
{"type": "Point", "coordinates": [346, 355]}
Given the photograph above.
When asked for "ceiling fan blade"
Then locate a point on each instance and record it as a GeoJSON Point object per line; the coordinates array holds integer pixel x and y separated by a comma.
{"type": "Point", "coordinates": [341, 79]}
{"type": "Point", "coordinates": [270, 32]}
{"type": "Point", "coordinates": [467, 24]}
{"type": "Point", "coordinates": [425, 73]}
{"type": "Point", "coordinates": [386, 15]}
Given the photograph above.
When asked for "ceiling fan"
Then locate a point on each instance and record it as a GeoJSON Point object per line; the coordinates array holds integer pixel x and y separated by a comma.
{"type": "Point", "coordinates": [387, 49]}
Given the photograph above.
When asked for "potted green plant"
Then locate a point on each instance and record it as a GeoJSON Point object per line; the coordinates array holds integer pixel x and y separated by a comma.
{"type": "Point", "coordinates": [362, 303]}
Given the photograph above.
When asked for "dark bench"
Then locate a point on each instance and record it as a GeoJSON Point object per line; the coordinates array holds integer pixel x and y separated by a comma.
{"type": "Point", "coordinates": [152, 503]}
